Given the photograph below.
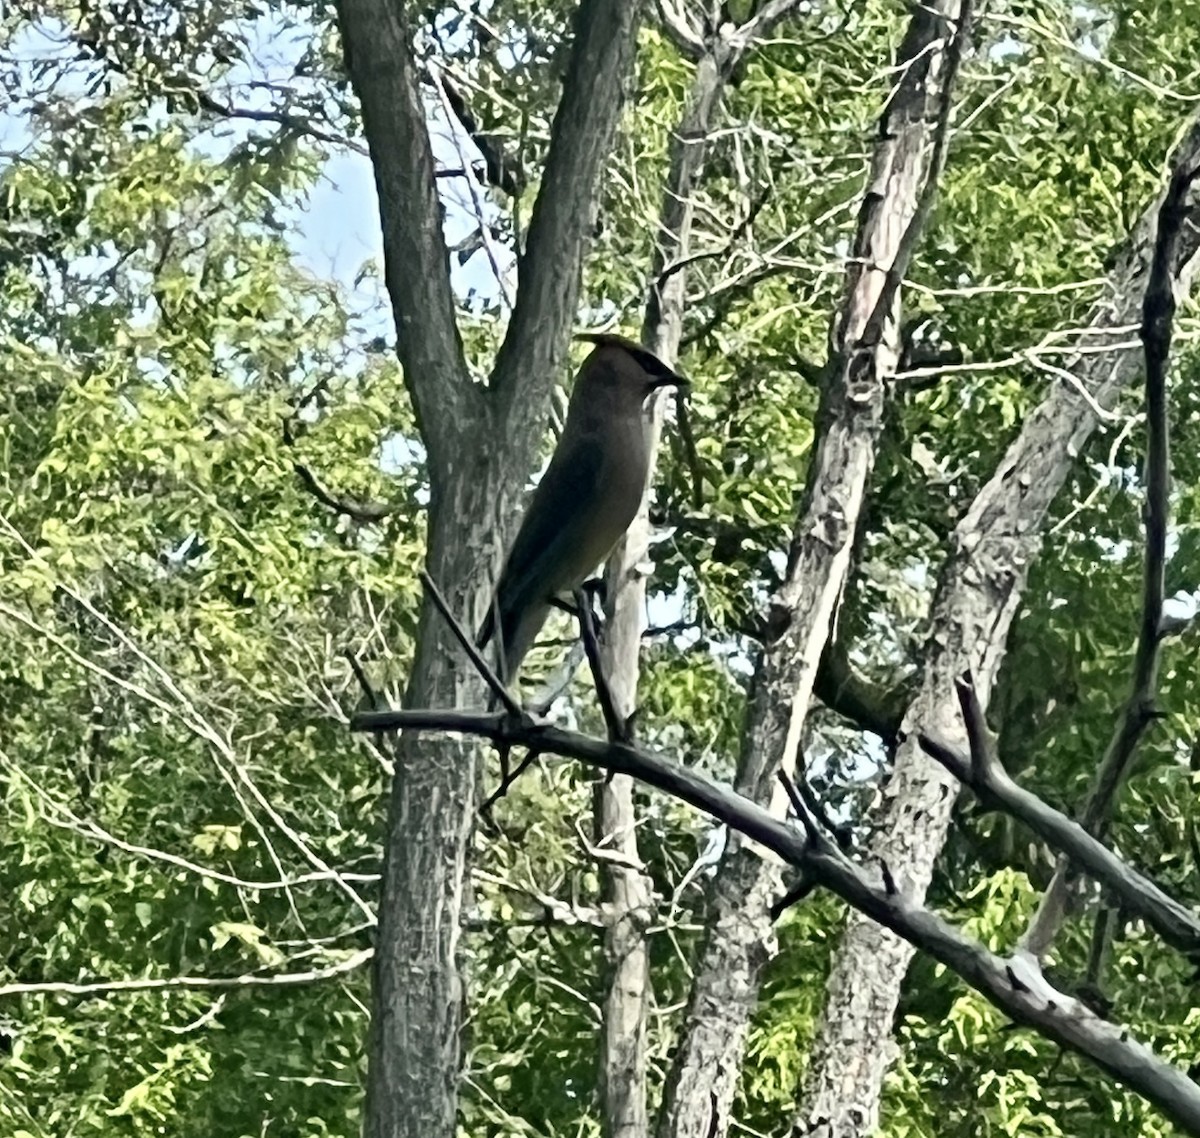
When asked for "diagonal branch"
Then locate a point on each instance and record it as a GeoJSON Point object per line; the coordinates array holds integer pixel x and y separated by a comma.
{"type": "Point", "coordinates": [1024, 997]}
{"type": "Point", "coordinates": [904, 169]}
{"type": "Point", "coordinates": [679, 30]}
{"type": "Point", "coordinates": [1158, 314]}
{"type": "Point", "coordinates": [979, 592]}
{"type": "Point", "coordinates": [560, 227]}
{"type": "Point", "coordinates": [377, 39]}
{"type": "Point", "coordinates": [363, 512]}
{"type": "Point", "coordinates": [996, 790]}
{"type": "Point", "coordinates": [503, 172]}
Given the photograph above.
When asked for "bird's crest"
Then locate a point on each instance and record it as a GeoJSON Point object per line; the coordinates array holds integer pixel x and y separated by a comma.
{"type": "Point", "coordinates": [649, 362]}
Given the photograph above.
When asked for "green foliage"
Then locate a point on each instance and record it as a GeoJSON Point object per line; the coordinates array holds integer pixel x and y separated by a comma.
{"type": "Point", "coordinates": [181, 399]}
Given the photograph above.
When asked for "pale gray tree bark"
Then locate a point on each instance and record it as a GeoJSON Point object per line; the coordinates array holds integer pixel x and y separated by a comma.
{"type": "Point", "coordinates": [628, 901]}
{"type": "Point", "coordinates": [978, 595]}
{"type": "Point", "coordinates": [481, 443]}
{"type": "Point", "coordinates": [739, 938]}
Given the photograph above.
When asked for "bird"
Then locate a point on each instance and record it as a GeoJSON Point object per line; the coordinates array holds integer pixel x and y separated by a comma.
{"type": "Point", "coordinates": [588, 496]}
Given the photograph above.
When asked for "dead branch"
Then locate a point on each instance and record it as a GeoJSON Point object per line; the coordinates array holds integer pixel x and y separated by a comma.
{"type": "Point", "coordinates": [1008, 983]}
{"type": "Point", "coordinates": [1158, 314]}
{"type": "Point", "coordinates": [996, 790]}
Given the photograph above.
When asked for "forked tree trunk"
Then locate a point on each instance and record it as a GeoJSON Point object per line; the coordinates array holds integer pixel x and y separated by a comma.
{"type": "Point", "coordinates": [480, 445]}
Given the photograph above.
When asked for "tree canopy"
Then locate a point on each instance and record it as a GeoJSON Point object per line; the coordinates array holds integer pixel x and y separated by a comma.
{"type": "Point", "coordinates": [223, 466]}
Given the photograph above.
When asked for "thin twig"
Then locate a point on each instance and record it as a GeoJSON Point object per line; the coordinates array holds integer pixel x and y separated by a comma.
{"type": "Point", "coordinates": [618, 729]}
{"type": "Point", "coordinates": [982, 755]}
{"type": "Point", "coordinates": [1158, 313]}
{"type": "Point", "coordinates": [503, 172]}
{"type": "Point", "coordinates": [364, 512]}
{"type": "Point", "coordinates": [184, 983]}
{"type": "Point", "coordinates": [476, 657]}
{"type": "Point", "coordinates": [798, 806]}
{"type": "Point", "coordinates": [507, 778]}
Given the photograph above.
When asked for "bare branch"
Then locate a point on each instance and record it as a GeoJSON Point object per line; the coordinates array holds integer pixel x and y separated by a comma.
{"type": "Point", "coordinates": [802, 610]}
{"type": "Point", "coordinates": [982, 755]}
{"type": "Point", "coordinates": [285, 119]}
{"type": "Point", "coordinates": [503, 172]}
{"type": "Point", "coordinates": [507, 778]}
{"type": "Point", "coordinates": [984, 774]}
{"type": "Point", "coordinates": [898, 269]}
{"type": "Point", "coordinates": [364, 512]}
{"type": "Point", "coordinates": [979, 593]}
{"type": "Point", "coordinates": [184, 983]}
{"type": "Point", "coordinates": [679, 29]}
{"type": "Point", "coordinates": [377, 40]}
{"type": "Point", "coordinates": [618, 728]}
{"type": "Point", "coordinates": [1023, 994]}
{"type": "Point", "coordinates": [1158, 313]}
{"type": "Point", "coordinates": [58, 814]}
{"type": "Point", "coordinates": [468, 645]}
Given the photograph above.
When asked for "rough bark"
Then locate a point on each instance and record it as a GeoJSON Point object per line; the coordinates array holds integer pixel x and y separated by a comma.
{"type": "Point", "coordinates": [475, 489]}
{"type": "Point", "coordinates": [564, 215]}
{"type": "Point", "coordinates": [739, 938]}
{"type": "Point", "coordinates": [628, 897]}
{"type": "Point", "coordinates": [978, 595]}
{"type": "Point", "coordinates": [1017, 989]}
{"type": "Point", "coordinates": [375, 38]}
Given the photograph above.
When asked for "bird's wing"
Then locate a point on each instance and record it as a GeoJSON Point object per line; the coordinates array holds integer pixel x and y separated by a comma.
{"type": "Point", "coordinates": [569, 490]}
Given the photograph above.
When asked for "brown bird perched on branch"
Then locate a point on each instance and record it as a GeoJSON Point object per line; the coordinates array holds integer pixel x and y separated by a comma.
{"type": "Point", "coordinates": [588, 496]}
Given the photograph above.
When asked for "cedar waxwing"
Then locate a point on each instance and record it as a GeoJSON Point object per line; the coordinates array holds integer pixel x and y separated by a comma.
{"type": "Point", "coordinates": [588, 496]}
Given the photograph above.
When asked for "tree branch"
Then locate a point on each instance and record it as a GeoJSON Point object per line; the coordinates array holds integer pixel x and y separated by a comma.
{"type": "Point", "coordinates": [1024, 997]}
{"type": "Point", "coordinates": [181, 983]}
{"type": "Point", "coordinates": [869, 706]}
{"type": "Point", "coordinates": [502, 694]}
{"type": "Point", "coordinates": [503, 172]}
{"type": "Point", "coordinates": [560, 228]}
{"type": "Point", "coordinates": [365, 512]}
{"type": "Point", "coordinates": [978, 595]}
{"type": "Point", "coordinates": [996, 790]}
{"type": "Point", "coordinates": [377, 40]}
{"type": "Point", "coordinates": [915, 229]}
{"type": "Point", "coordinates": [1158, 314]}
{"type": "Point", "coordinates": [618, 727]}
{"type": "Point", "coordinates": [679, 30]}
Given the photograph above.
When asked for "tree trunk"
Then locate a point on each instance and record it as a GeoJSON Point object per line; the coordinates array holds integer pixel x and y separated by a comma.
{"type": "Point", "coordinates": [480, 446]}
{"type": "Point", "coordinates": [417, 1012]}
{"type": "Point", "coordinates": [739, 938]}
{"type": "Point", "coordinates": [628, 897]}
{"type": "Point", "coordinates": [977, 598]}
